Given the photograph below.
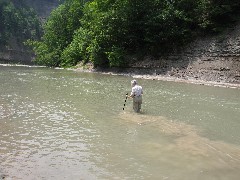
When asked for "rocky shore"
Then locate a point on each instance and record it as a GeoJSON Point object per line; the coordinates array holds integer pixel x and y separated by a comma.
{"type": "Point", "coordinates": [148, 73]}
{"type": "Point", "coordinates": [213, 60]}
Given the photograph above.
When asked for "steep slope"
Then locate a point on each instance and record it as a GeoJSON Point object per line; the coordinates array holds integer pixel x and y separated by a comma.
{"type": "Point", "coordinates": [215, 58]}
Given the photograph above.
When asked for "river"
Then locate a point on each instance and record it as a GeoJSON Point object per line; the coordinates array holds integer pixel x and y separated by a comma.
{"type": "Point", "coordinates": [61, 124]}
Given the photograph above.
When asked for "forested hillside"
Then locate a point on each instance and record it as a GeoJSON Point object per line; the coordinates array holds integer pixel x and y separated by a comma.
{"type": "Point", "coordinates": [19, 22]}
{"type": "Point", "coordinates": [43, 8]}
{"type": "Point", "coordinates": [107, 32]}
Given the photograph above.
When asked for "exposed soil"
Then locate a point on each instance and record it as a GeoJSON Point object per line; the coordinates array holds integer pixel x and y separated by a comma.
{"type": "Point", "coordinates": [211, 60]}
{"type": "Point", "coordinates": [151, 73]}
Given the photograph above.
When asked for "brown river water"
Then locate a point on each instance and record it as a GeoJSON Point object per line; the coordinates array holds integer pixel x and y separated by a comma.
{"type": "Point", "coordinates": [60, 124]}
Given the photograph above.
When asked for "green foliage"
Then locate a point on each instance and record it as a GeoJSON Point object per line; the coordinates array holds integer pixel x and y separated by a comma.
{"type": "Point", "coordinates": [116, 57]}
{"type": "Point", "coordinates": [58, 34]}
{"type": "Point", "coordinates": [105, 31]}
{"type": "Point", "coordinates": [100, 30]}
{"type": "Point", "coordinates": [19, 21]}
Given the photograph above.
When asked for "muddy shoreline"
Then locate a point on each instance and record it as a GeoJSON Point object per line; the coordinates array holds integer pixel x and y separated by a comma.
{"type": "Point", "coordinates": [148, 73]}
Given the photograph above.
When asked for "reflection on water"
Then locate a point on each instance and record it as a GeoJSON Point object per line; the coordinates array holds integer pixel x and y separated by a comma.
{"type": "Point", "coordinates": [37, 139]}
{"type": "Point", "coordinates": [58, 124]}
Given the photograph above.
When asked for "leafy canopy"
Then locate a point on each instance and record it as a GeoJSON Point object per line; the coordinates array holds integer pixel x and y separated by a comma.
{"type": "Point", "coordinates": [18, 20]}
{"type": "Point", "coordinates": [105, 32]}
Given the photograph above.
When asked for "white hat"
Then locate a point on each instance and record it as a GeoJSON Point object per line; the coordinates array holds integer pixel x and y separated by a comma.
{"type": "Point", "coordinates": [134, 82]}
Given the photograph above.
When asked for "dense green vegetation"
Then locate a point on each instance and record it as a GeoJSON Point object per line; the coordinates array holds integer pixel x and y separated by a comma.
{"type": "Point", "coordinates": [105, 32]}
{"type": "Point", "coordinates": [19, 21]}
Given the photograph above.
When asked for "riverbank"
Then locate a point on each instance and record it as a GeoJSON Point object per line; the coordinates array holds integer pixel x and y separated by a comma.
{"type": "Point", "coordinates": [213, 61]}
{"type": "Point", "coordinates": [141, 73]}
{"type": "Point", "coordinates": [151, 74]}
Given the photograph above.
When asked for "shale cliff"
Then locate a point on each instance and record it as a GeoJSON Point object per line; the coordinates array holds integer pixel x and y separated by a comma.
{"type": "Point", "coordinates": [215, 58]}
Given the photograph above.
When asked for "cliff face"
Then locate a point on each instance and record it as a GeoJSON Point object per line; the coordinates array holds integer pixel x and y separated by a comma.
{"type": "Point", "coordinates": [15, 51]}
{"type": "Point", "coordinates": [215, 58]}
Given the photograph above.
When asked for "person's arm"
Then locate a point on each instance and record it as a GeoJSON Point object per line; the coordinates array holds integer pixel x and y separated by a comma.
{"type": "Point", "coordinates": [131, 94]}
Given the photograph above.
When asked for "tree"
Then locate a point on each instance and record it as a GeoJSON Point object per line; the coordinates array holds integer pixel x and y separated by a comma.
{"type": "Point", "coordinates": [18, 20]}
{"type": "Point", "coordinates": [104, 32]}
{"type": "Point", "coordinates": [58, 33]}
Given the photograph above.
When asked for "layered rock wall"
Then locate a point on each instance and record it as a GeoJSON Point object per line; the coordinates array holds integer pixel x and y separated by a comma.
{"type": "Point", "coordinates": [209, 59]}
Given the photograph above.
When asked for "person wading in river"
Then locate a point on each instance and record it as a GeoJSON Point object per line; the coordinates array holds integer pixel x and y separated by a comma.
{"type": "Point", "coordinates": [136, 94]}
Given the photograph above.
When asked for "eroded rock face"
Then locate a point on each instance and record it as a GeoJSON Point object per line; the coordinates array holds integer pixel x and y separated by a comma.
{"type": "Point", "coordinates": [208, 59]}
